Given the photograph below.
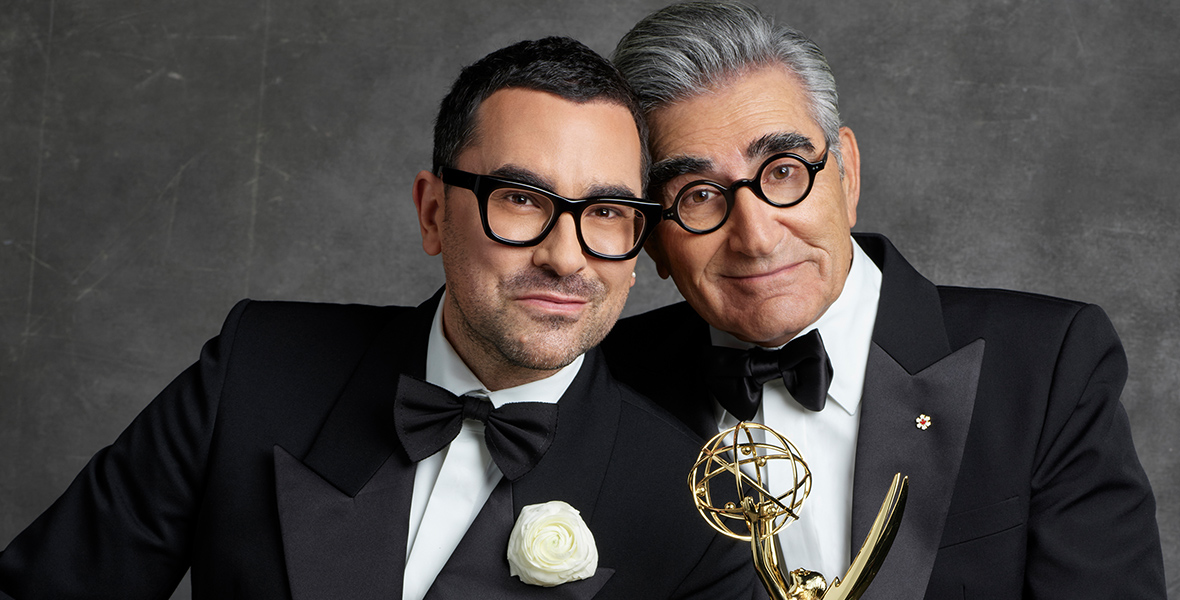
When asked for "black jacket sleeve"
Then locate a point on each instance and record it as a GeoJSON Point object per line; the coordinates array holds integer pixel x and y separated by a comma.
{"type": "Point", "coordinates": [123, 528]}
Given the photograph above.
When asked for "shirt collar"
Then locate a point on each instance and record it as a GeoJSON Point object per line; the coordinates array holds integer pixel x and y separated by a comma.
{"type": "Point", "coordinates": [445, 369]}
{"type": "Point", "coordinates": [847, 330]}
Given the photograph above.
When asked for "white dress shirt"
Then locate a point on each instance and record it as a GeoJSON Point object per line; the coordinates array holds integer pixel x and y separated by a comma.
{"type": "Point", "coordinates": [821, 539]}
{"type": "Point", "coordinates": [451, 486]}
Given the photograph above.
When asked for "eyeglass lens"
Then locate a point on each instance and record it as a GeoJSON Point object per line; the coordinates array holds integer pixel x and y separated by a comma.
{"type": "Point", "coordinates": [782, 181]}
{"type": "Point", "coordinates": [521, 215]}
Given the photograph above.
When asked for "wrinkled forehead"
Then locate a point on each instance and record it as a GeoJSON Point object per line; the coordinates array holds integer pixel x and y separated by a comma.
{"type": "Point", "coordinates": [670, 167]}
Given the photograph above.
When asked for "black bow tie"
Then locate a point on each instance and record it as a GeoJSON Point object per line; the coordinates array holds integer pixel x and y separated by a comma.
{"type": "Point", "coordinates": [736, 376]}
{"type": "Point", "coordinates": [428, 417]}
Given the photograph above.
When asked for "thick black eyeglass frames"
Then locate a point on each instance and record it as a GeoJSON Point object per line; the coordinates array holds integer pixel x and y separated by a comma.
{"type": "Point", "coordinates": [783, 180]}
{"type": "Point", "coordinates": [519, 214]}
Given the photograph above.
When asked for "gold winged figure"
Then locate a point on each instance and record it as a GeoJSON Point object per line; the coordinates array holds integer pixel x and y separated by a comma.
{"type": "Point", "coordinates": [735, 456]}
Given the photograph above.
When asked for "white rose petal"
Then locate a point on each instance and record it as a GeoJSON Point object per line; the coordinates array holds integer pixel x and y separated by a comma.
{"type": "Point", "coordinates": [550, 545]}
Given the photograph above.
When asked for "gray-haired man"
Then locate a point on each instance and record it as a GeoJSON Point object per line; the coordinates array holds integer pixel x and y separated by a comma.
{"type": "Point", "coordinates": [1002, 407]}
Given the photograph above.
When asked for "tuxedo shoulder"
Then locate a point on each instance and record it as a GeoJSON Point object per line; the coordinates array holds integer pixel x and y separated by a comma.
{"type": "Point", "coordinates": [652, 341]}
{"type": "Point", "coordinates": [289, 316]}
{"type": "Point", "coordinates": [675, 311]}
{"type": "Point", "coordinates": [270, 341]}
{"type": "Point", "coordinates": [644, 413]}
{"type": "Point", "coordinates": [1023, 326]}
{"type": "Point", "coordinates": [285, 324]}
{"type": "Point", "coordinates": [642, 326]}
{"type": "Point", "coordinates": [1006, 298]}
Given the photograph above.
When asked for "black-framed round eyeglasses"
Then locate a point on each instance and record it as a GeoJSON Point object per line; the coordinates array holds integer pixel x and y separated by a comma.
{"type": "Point", "coordinates": [518, 214]}
{"type": "Point", "coordinates": [783, 180]}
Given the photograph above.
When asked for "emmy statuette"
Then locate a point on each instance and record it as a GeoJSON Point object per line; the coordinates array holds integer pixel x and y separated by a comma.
{"type": "Point", "coordinates": [736, 455]}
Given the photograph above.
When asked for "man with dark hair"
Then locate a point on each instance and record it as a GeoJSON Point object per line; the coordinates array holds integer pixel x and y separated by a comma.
{"type": "Point", "coordinates": [1001, 407]}
{"type": "Point", "coordinates": [552, 65]}
{"type": "Point", "coordinates": [473, 446]}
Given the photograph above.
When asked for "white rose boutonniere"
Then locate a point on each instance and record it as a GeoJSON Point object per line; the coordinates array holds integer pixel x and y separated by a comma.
{"type": "Point", "coordinates": [550, 545]}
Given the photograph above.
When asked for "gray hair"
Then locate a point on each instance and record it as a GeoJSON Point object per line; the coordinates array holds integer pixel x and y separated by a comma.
{"type": "Point", "coordinates": [685, 49]}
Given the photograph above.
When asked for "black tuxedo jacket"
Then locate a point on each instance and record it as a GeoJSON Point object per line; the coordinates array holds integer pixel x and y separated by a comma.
{"type": "Point", "coordinates": [272, 468]}
{"type": "Point", "coordinates": [1025, 485]}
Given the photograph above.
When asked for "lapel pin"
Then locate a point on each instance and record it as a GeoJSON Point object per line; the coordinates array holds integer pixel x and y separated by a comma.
{"type": "Point", "coordinates": [923, 422]}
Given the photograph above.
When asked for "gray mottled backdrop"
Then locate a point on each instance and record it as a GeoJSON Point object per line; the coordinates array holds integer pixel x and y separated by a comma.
{"type": "Point", "coordinates": [160, 159]}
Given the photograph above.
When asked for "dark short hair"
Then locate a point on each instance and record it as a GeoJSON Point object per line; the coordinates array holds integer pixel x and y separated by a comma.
{"type": "Point", "coordinates": [558, 65]}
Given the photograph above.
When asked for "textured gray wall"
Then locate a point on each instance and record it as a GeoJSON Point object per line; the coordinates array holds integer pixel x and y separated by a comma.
{"type": "Point", "coordinates": [160, 159]}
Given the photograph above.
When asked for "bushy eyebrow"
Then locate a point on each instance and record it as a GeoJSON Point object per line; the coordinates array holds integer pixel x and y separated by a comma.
{"type": "Point", "coordinates": [611, 191]}
{"type": "Point", "coordinates": [775, 143]}
{"type": "Point", "coordinates": [523, 175]}
{"type": "Point", "coordinates": [670, 168]}
{"type": "Point", "coordinates": [772, 143]}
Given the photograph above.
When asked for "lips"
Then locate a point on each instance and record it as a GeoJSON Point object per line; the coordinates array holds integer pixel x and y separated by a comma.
{"type": "Point", "coordinates": [548, 294]}
{"type": "Point", "coordinates": [553, 303]}
{"type": "Point", "coordinates": [762, 275]}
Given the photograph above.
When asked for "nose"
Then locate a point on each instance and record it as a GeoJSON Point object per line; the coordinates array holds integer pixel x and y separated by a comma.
{"type": "Point", "coordinates": [560, 251]}
{"type": "Point", "coordinates": [753, 228]}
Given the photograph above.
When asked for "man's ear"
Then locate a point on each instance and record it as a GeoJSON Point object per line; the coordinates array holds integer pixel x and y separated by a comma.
{"type": "Point", "coordinates": [851, 181]}
{"type": "Point", "coordinates": [656, 251]}
{"type": "Point", "coordinates": [428, 198]}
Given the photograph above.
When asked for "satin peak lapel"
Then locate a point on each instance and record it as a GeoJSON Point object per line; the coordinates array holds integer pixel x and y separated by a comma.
{"type": "Point", "coordinates": [338, 546]}
{"type": "Point", "coordinates": [344, 507]}
{"type": "Point", "coordinates": [479, 566]}
{"type": "Point", "coordinates": [893, 400]}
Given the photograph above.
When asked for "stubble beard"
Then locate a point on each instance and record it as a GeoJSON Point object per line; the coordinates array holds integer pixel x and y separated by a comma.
{"type": "Point", "coordinates": [546, 347]}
